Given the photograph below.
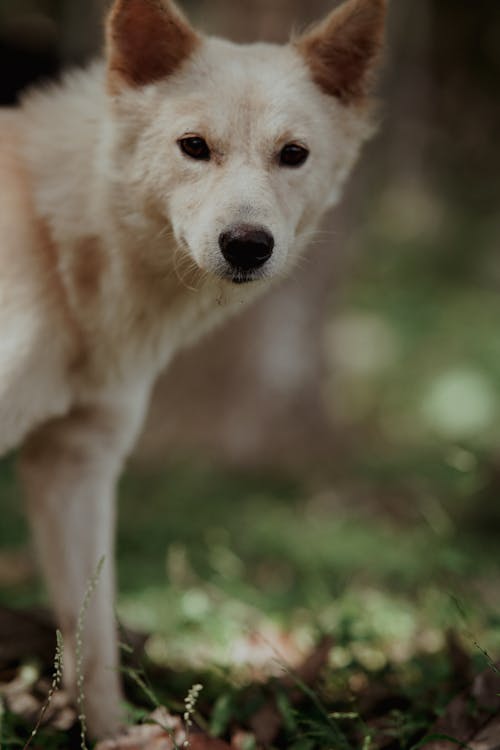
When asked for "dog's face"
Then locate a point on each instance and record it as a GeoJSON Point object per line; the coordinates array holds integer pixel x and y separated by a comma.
{"type": "Point", "coordinates": [238, 149]}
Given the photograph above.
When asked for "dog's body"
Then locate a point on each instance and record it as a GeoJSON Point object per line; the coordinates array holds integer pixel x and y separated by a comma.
{"type": "Point", "coordinates": [141, 201]}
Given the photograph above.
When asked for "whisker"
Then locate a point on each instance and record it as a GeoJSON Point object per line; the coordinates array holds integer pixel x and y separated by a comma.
{"type": "Point", "coordinates": [177, 269]}
{"type": "Point", "coordinates": [165, 232]}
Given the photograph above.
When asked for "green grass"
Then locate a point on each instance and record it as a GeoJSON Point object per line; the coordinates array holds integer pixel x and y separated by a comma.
{"type": "Point", "coordinates": [207, 559]}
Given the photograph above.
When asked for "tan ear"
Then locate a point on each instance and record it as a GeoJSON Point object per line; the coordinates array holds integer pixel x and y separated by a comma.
{"type": "Point", "coordinates": [342, 50]}
{"type": "Point", "coordinates": [147, 40]}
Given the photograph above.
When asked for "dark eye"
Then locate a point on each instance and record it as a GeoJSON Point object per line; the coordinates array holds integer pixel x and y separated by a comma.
{"type": "Point", "coordinates": [293, 155]}
{"type": "Point", "coordinates": [195, 147]}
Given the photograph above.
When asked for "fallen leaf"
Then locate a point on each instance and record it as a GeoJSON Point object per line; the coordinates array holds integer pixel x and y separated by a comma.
{"type": "Point", "coordinates": [200, 741]}
{"type": "Point", "coordinates": [163, 732]}
{"type": "Point", "coordinates": [473, 717]}
{"type": "Point", "coordinates": [488, 738]}
{"type": "Point", "coordinates": [266, 723]}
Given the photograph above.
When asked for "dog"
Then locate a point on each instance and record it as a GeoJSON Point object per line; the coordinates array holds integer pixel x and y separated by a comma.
{"type": "Point", "coordinates": [143, 200]}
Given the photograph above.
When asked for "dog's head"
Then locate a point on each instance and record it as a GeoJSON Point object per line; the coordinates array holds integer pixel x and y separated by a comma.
{"type": "Point", "coordinates": [237, 150]}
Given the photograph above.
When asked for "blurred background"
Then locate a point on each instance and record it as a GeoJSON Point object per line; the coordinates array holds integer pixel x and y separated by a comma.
{"type": "Point", "coordinates": [331, 459]}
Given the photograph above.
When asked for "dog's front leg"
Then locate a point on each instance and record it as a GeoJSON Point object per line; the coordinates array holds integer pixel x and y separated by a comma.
{"type": "Point", "coordinates": [69, 469]}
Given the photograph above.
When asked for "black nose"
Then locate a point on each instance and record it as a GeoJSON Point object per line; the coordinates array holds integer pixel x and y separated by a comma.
{"type": "Point", "coordinates": [246, 247]}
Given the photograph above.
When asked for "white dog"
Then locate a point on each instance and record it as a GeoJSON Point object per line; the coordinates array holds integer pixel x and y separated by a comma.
{"type": "Point", "coordinates": [141, 201]}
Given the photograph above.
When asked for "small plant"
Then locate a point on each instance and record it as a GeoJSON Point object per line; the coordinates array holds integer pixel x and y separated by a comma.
{"type": "Point", "coordinates": [190, 706]}
{"type": "Point", "coordinates": [55, 685]}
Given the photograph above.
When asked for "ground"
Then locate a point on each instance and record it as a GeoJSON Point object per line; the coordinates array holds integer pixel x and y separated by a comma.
{"type": "Point", "coordinates": [313, 614]}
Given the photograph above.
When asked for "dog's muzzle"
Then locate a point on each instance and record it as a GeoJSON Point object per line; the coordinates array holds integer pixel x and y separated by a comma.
{"type": "Point", "coordinates": [246, 248]}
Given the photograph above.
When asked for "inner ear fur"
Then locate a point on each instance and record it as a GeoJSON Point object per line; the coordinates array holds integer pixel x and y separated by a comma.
{"type": "Point", "coordinates": [147, 40]}
{"type": "Point", "coordinates": [342, 51]}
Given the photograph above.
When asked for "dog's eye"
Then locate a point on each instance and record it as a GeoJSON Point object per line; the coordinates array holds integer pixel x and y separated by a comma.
{"type": "Point", "coordinates": [293, 155]}
{"type": "Point", "coordinates": [195, 147]}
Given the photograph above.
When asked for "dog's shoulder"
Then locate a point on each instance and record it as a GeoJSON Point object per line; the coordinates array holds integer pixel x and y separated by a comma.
{"type": "Point", "coordinates": [22, 242]}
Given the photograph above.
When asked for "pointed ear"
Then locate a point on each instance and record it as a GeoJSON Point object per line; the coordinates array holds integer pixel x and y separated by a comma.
{"type": "Point", "coordinates": [342, 50]}
{"type": "Point", "coordinates": [147, 40]}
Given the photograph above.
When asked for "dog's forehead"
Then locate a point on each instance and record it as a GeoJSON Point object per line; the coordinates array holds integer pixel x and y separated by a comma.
{"type": "Point", "coordinates": [236, 84]}
{"type": "Point", "coordinates": [245, 61]}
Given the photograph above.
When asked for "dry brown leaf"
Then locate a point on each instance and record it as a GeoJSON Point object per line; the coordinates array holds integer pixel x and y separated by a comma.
{"type": "Point", "coordinates": [488, 738]}
{"type": "Point", "coordinates": [164, 732]}
{"type": "Point", "coordinates": [310, 669]}
{"type": "Point", "coordinates": [473, 717]}
{"type": "Point", "coordinates": [161, 733]}
{"type": "Point", "coordinates": [204, 742]}
{"type": "Point", "coordinates": [266, 723]}
{"type": "Point", "coordinates": [27, 695]}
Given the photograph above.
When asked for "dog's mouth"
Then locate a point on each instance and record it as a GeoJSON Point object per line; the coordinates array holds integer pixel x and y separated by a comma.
{"type": "Point", "coordinates": [242, 276]}
{"type": "Point", "coordinates": [237, 280]}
